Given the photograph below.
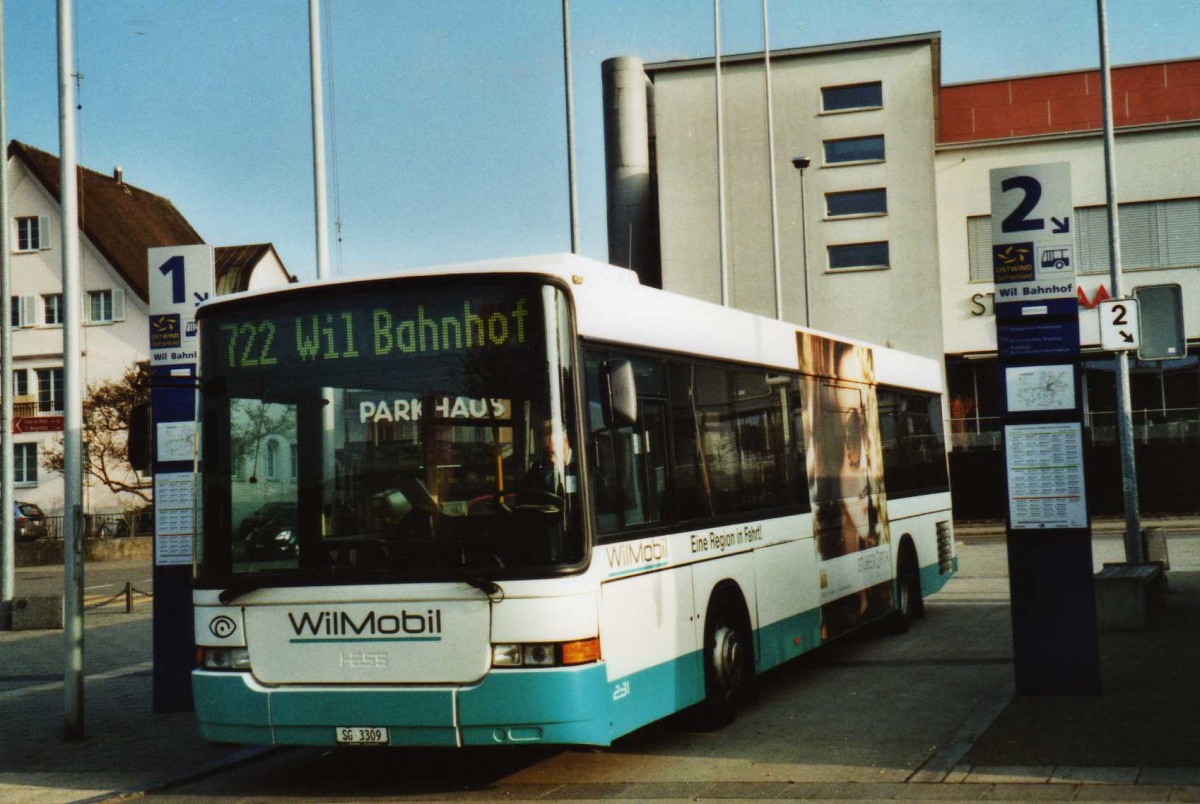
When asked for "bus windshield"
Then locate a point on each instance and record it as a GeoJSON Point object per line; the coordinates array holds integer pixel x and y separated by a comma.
{"type": "Point", "coordinates": [389, 431]}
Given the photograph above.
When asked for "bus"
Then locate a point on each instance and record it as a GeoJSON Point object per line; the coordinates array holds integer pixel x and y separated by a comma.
{"type": "Point", "coordinates": [534, 501]}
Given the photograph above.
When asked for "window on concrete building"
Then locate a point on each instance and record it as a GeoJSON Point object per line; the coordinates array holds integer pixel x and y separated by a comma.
{"type": "Point", "coordinates": [852, 96]}
{"type": "Point", "coordinates": [50, 390]}
{"type": "Point", "coordinates": [25, 460]}
{"type": "Point", "coordinates": [23, 311]}
{"type": "Point", "coordinates": [856, 202]}
{"type": "Point", "coordinates": [20, 382]}
{"type": "Point", "coordinates": [33, 233]}
{"type": "Point", "coordinates": [106, 306]}
{"type": "Point", "coordinates": [854, 149]}
{"type": "Point", "coordinates": [858, 255]}
{"type": "Point", "coordinates": [1154, 234]}
{"type": "Point", "coordinates": [52, 311]}
{"type": "Point", "coordinates": [974, 390]}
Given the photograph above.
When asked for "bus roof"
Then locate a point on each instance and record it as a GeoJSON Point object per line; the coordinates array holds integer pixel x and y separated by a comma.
{"type": "Point", "coordinates": [612, 306]}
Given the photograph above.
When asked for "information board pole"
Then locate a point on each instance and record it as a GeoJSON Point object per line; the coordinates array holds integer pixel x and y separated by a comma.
{"type": "Point", "coordinates": [181, 277]}
{"type": "Point", "coordinates": [1055, 637]}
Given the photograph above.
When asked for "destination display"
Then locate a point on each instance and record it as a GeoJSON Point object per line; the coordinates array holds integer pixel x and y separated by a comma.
{"type": "Point", "coordinates": [316, 335]}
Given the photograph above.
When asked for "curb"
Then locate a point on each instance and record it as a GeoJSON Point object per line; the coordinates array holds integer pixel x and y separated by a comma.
{"type": "Point", "coordinates": [243, 756]}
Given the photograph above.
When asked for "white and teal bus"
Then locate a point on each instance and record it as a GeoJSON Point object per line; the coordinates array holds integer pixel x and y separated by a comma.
{"type": "Point", "coordinates": [532, 501]}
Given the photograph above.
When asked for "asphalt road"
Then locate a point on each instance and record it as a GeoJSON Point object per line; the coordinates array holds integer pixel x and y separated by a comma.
{"type": "Point", "coordinates": [872, 709]}
{"type": "Point", "coordinates": [99, 578]}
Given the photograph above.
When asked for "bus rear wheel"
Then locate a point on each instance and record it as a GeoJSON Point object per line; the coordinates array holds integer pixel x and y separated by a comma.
{"type": "Point", "coordinates": [728, 669]}
{"type": "Point", "coordinates": [909, 605]}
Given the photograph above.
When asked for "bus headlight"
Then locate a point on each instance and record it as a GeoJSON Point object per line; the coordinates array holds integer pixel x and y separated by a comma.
{"type": "Point", "coordinates": [546, 654]}
{"type": "Point", "coordinates": [223, 658]}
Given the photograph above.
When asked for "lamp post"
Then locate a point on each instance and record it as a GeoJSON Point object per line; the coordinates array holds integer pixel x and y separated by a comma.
{"type": "Point", "coordinates": [800, 163]}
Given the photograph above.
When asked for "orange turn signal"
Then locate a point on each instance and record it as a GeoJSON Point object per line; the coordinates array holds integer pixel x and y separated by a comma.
{"type": "Point", "coordinates": [581, 651]}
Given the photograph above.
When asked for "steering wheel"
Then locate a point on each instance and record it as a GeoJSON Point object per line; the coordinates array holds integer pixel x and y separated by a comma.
{"type": "Point", "coordinates": [498, 499]}
{"type": "Point", "coordinates": [540, 501]}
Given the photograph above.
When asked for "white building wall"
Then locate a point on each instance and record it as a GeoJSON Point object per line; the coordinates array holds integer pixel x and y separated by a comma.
{"type": "Point", "coordinates": [269, 273]}
{"type": "Point", "coordinates": [1153, 164]}
{"type": "Point", "coordinates": [107, 349]}
{"type": "Point", "coordinates": [845, 302]}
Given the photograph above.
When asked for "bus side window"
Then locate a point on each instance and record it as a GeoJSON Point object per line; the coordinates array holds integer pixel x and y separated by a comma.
{"type": "Point", "coordinates": [738, 443]}
{"type": "Point", "coordinates": [914, 447]}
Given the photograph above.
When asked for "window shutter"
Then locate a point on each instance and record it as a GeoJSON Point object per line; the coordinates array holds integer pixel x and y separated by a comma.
{"type": "Point", "coordinates": [979, 247]}
{"type": "Point", "coordinates": [28, 311]}
{"type": "Point", "coordinates": [1091, 240]}
{"type": "Point", "coordinates": [43, 232]}
{"type": "Point", "coordinates": [118, 304]}
{"type": "Point", "coordinates": [1139, 236]}
{"type": "Point", "coordinates": [1181, 231]}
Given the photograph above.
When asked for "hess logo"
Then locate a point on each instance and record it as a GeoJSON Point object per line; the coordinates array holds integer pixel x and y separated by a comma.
{"type": "Point", "coordinates": [222, 627]}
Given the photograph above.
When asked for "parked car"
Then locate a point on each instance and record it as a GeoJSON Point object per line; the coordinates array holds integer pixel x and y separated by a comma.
{"type": "Point", "coordinates": [30, 522]}
{"type": "Point", "coordinates": [270, 514]}
{"type": "Point", "coordinates": [271, 541]}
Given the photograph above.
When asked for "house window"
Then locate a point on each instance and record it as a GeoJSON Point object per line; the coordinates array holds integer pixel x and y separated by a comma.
{"type": "Point", "coordinates": [272, 460]}
{"type": "Point", "coordinates": [33, 233]}
{"type": "Point", "coordinates": [854, 149]}
{"type": "Point", "coordinates": [20, 382]}
{"type": "Point", "coordinates": [52, 309]}
{"type": "Point", "coordinates": [858, 255]}
{"type": "Point", "coordinates": [852, 96]}
{"type": "Point", "coordinates": [50, 390]}
{"type": "Point", "coordinates": [106, 306]}
{"type": "Point", "coordinates": [857, 202]}
{"type": "Point", "coordinates": [294, 458]}
{"type": "Point", "coordinates": [25, 464]}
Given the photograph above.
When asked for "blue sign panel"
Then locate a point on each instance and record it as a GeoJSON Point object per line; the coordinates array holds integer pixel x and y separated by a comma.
{"type": "Point", "coordinates": [1039, 338]}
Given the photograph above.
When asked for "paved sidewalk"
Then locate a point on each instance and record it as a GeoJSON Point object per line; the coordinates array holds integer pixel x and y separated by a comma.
{"type": "Point", "coordinates": [126, 748]}
{"type": "Point", "coordinates": [1140, 740]}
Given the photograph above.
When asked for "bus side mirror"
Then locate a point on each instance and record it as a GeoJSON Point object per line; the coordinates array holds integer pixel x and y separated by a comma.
{"type": "Point", "coordinates": [618, 398]}
{"type": "Point", "coordinates": [138, 442]}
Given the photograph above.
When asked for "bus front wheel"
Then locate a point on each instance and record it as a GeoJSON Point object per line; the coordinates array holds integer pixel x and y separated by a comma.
{"type": "Point", "coordinates": [728, 668]}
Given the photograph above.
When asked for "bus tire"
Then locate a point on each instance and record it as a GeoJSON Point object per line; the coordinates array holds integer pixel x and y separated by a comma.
{"type": "Point", "coordinates": [728, 663]}
{"type": "Point", "coordinates": [909, 605]}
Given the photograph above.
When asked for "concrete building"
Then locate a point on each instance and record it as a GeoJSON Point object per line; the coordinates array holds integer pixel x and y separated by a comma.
{"type": "Point", "coordinates": [885, 236]}
{"type": "Point", "coordinates": [118, 222]}
{"type": "Point", "coordinates": [860, 240]}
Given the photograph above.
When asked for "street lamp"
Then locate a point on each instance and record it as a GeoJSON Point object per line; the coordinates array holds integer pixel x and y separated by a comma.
{"type": "Point", "coordinates": [800, 163]}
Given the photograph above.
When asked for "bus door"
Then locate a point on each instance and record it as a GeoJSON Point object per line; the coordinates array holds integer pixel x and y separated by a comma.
{"type": "Point", "coordinates": [629, 462]}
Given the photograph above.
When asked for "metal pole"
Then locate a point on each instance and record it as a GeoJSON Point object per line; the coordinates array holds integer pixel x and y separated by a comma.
{"type": "Point", "coordinates": [771, 168]}
{"type": "Point", "coordinates": [573, 195]}
{"type": "Point", "coordinates": [72, 385]}
{"type": "Point", "coordinates": [800, 163]}
{"type": "Point", "coordinates": [318, 133]}
{"type": "Point", "coordinates": [8, 578]}
{"type": "Point", "coordinates": [1133, 533]}
{"type": "Point", "coordinates": [721, 231]}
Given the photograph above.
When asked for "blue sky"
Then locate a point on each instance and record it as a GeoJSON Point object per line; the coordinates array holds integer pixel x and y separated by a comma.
{"type": "Point", "coordinates": [447, 125]}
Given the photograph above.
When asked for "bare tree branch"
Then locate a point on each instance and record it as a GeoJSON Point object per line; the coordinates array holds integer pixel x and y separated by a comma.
{"type": "Point", "coordinates": [106, 411]}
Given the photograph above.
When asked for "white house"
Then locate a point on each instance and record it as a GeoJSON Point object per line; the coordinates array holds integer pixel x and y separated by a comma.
{"type": "Point", "coordinates": [118, 222]}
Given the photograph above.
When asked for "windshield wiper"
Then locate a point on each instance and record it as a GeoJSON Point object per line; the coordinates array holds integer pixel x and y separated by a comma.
{"type": "Point", "coordinates": [490, 588]}
{"type": "Point", "coordinates": [232, 593]}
